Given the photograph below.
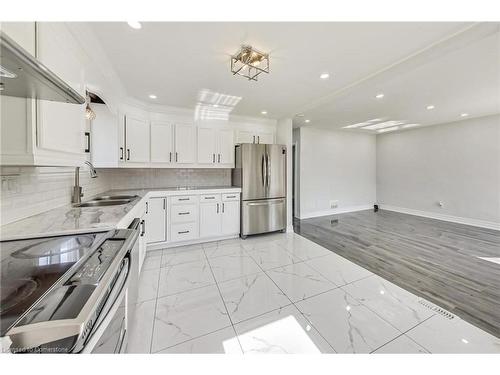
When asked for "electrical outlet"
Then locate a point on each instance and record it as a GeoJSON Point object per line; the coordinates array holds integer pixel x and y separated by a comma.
{"type": "Point", "coordinates": [334, 204]}
{"type": "Point", "coordinates": [440, 203]}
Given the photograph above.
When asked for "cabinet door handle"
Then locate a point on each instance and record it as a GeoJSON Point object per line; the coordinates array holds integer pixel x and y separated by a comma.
{"type": "Point", "coordinates": [218, 158]}
{"type": "Point", "coordinates": [176, 156]}
{"type": "Point", "coordinates": [217, 207]}
{"type": "Point", "coordinates": [128, 154]}
{"type": "Point", "coordinates": [222, 207]}
{"type": "Point", "coordinates": [254, 139]}
{"type": "Point", "coordinates": [213, 158]}
{"type": "Point", "coordinates": [87, 135]}
{"type": "Point", "coordinates": [258, 139]}
{"type": "Point", "coordinates": [121, 153]}
{"type": "Point", "coordinates": [170, 158]}
{"type": "Point", "coordinates": [143, 223]}
{"type": "Point", "coordinates": [164, 204]}
{"type": "Point", "coordinates": [147, 207]}
{"type": "Point", "coordinates": [183, 232]}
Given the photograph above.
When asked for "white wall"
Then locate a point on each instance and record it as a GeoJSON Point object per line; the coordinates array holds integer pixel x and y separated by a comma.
{"type": "Point", "coordinates": [336, 165]}
{"type": "Point", "coordinates": [284, 137]}
{"type": "Point", "coordinates": [456, 163]}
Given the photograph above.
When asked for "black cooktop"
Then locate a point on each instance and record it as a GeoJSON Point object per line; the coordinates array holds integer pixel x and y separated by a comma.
{"type": "Point", "coordinates": [30, 267]}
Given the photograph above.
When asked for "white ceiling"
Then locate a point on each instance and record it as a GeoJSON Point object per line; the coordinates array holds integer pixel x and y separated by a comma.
{"type": "Point", "coordinates": [175, 61]}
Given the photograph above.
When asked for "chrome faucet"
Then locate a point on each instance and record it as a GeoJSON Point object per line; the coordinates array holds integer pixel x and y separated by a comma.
{"type": "Point", "coordinates": [77, 189]}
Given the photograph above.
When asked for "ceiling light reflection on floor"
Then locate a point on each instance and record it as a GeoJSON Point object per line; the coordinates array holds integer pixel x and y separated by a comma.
{"type": "Point", "coordinates": [282, 336]}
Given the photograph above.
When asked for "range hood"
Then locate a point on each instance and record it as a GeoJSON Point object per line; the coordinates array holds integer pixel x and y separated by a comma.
{"type": "Point", "coordinates": [23, 76]}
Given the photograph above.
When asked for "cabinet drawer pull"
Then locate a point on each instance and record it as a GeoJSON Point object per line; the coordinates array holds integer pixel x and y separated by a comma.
{"type": "Point", "coordinates": [183, 199]}
{"type": "Point", "coordinates": [184, 213]}
{"type": "Point", "coordinates": [183, 232]}
{"type": "Point", "coordinates": [209, 198]}
{"type": "Point", "coordinates": [231, 196]}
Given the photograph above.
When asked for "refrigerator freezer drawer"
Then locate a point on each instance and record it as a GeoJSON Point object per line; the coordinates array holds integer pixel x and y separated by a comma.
{"type": "Point", "coordinates": [263, 216]}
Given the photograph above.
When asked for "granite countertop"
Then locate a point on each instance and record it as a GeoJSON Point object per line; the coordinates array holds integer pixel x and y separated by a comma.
{"type": "Point", "coordinates": [70, 220]}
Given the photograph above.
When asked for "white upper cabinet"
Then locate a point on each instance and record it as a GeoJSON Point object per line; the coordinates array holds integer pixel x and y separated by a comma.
{"type": "Point", "coordinates": [265, 138]}
{"type": "Point", "coordinates": [185, 144]}
{"type": "Point", "coordinates": [225, 147]}
{"type": "Point", "coordinates": [136, 140]}
{"type": "Point", "coordinates": [40, 132]}
{"type": "Point", "coordinates": [216, 146]}
{"type": "Point", "coordinates": [207, 145]}
{"type": "Point", "coordinates": [162, 142]}
{"type": "Point", "coordinates": [61, 126]}
{"type": "Point", "coordinates": [261, 137]}
{"type": "Point", "coordinates": [104, 134]}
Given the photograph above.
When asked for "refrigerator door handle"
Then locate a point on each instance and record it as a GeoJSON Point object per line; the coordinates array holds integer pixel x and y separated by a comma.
{"type": "Point", "coordinates": [268, 170]}
{"type": "Point", "coordinates": [264, 175]}
{"type": "Point", "coordinates": [266, 203]}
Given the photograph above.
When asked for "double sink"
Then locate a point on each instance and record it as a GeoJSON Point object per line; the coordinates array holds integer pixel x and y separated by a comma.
{"type": "Point", "coordinates": [108, 200]}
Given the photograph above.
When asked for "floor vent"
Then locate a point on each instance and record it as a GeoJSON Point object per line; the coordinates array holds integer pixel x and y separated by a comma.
{"type": "Point", "coordinates": [436, 309]}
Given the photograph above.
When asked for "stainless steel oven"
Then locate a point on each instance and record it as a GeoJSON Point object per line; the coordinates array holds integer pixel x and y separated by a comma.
{"type": "Point", "coordinates": [85, 308]}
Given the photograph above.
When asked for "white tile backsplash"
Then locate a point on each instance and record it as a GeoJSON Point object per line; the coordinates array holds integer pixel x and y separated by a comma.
{"type": "Point", "coordinates": [158, 178]}
{"type": "Point", "coordinates": [27, 191]}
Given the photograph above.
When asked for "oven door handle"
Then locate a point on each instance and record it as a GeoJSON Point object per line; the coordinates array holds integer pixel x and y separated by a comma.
{"type": "Point", "coordinates": [110, 307]}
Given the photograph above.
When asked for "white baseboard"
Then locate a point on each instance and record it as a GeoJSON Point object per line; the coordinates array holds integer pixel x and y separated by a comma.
{"type": "Point", "coordinates": [434, 215]}
{"type": "Point", "coordinates": [289, 229]}
{"type": "Point", "coordinates": [168, 244]}
{"type": "Point", "coordinates": [340, 210]}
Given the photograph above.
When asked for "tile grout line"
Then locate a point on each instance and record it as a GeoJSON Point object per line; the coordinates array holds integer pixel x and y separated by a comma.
{"type": "Point", "coordinates": [223, 302]}
{"type": "Point", "coordinates": [293, 304]}
{"type": "Point", "coordinates": [156, 306]}
{"type": "Point", "coordinates": [404, 334]}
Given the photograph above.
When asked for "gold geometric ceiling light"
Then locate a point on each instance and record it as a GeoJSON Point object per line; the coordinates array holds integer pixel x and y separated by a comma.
{"type": "Point", "coordinates": [249, 63]}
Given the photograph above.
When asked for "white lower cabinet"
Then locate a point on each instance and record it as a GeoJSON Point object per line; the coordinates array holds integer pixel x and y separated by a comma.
{"type": "Point", "coordinates": [185, 219]}
{"type": "Point", "coordinates": [142, 237]}
{"type": "Point", "coordinates": [230, 215]}
{"type": "Point", "coordinates": [156, 220]}
{"type": "Point", "coordinates": [210, 221]}
{"type": "Point", "coordinates": [219, 217]}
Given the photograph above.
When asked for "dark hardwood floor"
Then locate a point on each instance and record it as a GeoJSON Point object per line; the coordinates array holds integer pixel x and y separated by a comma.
{"type": "Point", "coordinates": [434, 259]}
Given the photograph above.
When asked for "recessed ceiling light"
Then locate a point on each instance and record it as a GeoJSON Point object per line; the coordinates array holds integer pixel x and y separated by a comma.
{"type": "Point", "coordinates": [430, 107]}
{"type": "Point", "coordinates": [379, 96]}
{"type": "Point", "coordinates": [264, 112]}
{"type": "Point", "coordinates": [465, 341]}
{"type": "Point", "coordinates": [152, 96]}
{"type": "Point", "coordinates": [134, 24]}
{"type": "Point", "coordinates": [307, 121]}
{"type": "Point", "coordinates": [324, 76]}
{"type": "Point", "coordinates": [464, 114]}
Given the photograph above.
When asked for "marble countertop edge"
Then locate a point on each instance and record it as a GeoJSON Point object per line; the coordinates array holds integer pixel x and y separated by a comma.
{"type": "Point", "coordinates": [67, 220]}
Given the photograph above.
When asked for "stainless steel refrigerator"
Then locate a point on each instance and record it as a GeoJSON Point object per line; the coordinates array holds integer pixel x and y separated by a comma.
{"type": "Point", "coordinates": [260, 171]}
